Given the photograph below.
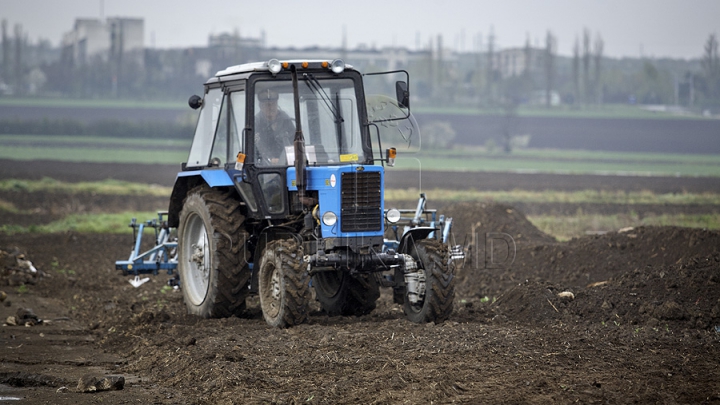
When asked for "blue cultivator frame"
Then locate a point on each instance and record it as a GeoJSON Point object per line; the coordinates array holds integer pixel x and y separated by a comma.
{"type": "Point", "coordinates": [163, 256]}
{"type": "Point", "coordinates": [425, 218]}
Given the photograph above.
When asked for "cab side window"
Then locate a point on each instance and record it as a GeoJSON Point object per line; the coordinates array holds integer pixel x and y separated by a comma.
{"type": "Point", "coordinates": [205, 129]}
{"type": "Point", "coordinates": [237, 123]}
{"type": "Point", "coordinates": [220, 143]}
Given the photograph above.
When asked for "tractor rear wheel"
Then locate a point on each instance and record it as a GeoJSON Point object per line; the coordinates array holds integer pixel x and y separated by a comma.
{"type": "Point", "coordinates": [212, 253]}
{"type": "Point", "coordinates": [283, 283]}
{"type": "Point", "coordinates": [341, 293]}
{"type": "Point", "coordinates": [436, 305]}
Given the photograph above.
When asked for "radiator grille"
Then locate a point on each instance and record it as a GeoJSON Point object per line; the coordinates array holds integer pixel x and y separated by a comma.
{"type": "Point", "coordinates": [361, 202]}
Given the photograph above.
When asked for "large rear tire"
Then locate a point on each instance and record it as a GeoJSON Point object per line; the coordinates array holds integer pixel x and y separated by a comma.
{"type": "Point", "coordinates": [212, 253]}
{"type": "Point", "coordinates": [283, 284]}
{"type": "Point", "coordinates": [436, 305]}
{"type": "Point", "coordinates": [341, 293]}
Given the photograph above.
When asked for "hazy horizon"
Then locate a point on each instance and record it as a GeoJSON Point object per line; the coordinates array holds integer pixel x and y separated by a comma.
{"type": "Point", "coordinates": [641, 28]}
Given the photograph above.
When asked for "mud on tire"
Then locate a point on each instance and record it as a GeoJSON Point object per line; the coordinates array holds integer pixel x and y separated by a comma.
{"type": "Point", "coordinates": [437, 304]}
{"type": "Point", "coordinates": [212, 254]}
{"type": "Point", "coordinates": [283, 284]}
{"type": "Point", "coordinates": [341, 293]}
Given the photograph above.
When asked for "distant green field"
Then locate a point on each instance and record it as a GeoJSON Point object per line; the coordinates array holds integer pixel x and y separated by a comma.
{"type": "Point", "coordinates": [36, 141]}
{"type": "Point", "coordinates": [97, 155]}
{"type": "Point", "coordinates": [90, 103]}
{"type": "Point", "coordinates": [474, 159]}
{"type": "Point", "coordinates": [559, 167]}
{"type": "Point", "coordinates": [561, 162]}
{"type": "Point", "coordinates": [602, 111]}
{"type": "Point", "coordinates": [93, 149]}
{"type": "Point", "coordinates": [571, 155]}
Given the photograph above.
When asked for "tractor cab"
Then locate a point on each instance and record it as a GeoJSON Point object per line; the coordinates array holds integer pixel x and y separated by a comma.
{"type": "Point", "coordinates": [252, 116]}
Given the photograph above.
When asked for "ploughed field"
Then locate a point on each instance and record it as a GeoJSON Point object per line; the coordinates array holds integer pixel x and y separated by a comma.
{"type": "Point", "coordinates": [642, 323]}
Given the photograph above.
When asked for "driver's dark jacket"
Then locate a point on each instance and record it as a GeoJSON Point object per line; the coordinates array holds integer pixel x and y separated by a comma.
{"type": "Point", "coordinates": [271, 137]}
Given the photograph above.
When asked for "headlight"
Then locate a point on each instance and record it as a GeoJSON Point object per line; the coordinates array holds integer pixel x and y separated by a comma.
{"type": "Point", "coordinates": [329, 218]}
{"type": "Point", "coordinates": [392, 215]}
{"type": "Point", "coordinates": [274, 66]}
{"type": "Point", "coordinates": [337, 66]}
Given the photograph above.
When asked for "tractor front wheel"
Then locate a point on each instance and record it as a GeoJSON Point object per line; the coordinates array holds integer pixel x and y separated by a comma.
{"type": "Point", "coordinates": [283, 284]}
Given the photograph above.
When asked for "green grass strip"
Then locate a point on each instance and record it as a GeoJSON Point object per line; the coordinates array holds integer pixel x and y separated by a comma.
{"type": "Point", "coordinates": [118, 187]}
{"type": "Point", "coordinates": [567, 227]}
{"type": "Point", "coordinates": [562, 228]}
{"type": "Point", "coordinates": [84, 223]}
{"type": "Point", "coordinates": [94, 155]}
{"type": "Point", "coordinates": [552, 196]}
{"type": "Point", "coordinates": [112, 187]}
{"type": "Point", "coordinates": [6, 206]}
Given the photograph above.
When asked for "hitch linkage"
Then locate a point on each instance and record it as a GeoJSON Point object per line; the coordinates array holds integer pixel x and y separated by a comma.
{"type": "Point", "coordinates": [163, 256]}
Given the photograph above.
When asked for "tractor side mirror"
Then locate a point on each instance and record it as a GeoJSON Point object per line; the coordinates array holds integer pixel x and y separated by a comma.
{"type": "Point", "coordinates": [195, 102]}
{"type": "Point", "coordinates": [402, 94]}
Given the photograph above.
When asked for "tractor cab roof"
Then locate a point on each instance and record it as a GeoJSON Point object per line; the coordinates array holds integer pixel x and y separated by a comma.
{"type": "Point", "coordinates": [275, 66]}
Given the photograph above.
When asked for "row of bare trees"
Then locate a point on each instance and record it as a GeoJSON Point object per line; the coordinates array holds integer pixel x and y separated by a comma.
{"type": "Point", "coordinates": [586, 68]}
{"type": "Point", "coordinates": [542, 72]}
{"type": "Point", "coordinates": [587, 79]}
{"type": "Point", "coordinates": [12, 65]}
{"type": "Point", "coordinates": [592, 79]}
{"type": "Point", "coordinates": [710, 81]}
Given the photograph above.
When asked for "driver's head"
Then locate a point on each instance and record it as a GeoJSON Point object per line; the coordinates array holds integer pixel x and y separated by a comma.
{"type": "Point", "coordinates": [268, 100]}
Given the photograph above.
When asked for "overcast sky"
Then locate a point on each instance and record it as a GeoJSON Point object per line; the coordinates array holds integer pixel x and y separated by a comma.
{"type": "Point", "coordinates": [650, 28]}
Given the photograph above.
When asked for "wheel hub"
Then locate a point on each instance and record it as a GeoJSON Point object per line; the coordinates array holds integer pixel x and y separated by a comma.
{"type": "Point", "coordinates": [414, 281]}
{"type": "Point", "coordinates": [270, 295]}
{"type": "Point", "coordinates": [198, 257]}
{"type": "Point", "coordinates": [275, 286]}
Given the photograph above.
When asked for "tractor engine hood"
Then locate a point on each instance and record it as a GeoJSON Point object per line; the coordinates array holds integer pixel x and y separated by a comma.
{"type": "Point", "coordinates": [350, 198]}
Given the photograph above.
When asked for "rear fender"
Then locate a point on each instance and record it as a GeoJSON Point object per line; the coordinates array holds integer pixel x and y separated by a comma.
{"type": "Point", "coordinates": [187, 181]}
{"type": "Point", "coordinates": [412, 235]}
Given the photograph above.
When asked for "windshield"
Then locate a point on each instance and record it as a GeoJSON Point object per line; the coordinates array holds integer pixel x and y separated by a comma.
{"type": "Point", "coordinates": [329, 117]}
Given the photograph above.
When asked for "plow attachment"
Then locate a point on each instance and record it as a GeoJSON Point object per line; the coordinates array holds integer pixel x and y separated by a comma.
{"type": "Point", "coordinates": [421, 217]}
{"type": "Point", "coordinates": [163, 256]}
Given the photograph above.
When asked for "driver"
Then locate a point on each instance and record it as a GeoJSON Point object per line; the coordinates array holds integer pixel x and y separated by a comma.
{"type": "Point", "coordinates": [274, 128]}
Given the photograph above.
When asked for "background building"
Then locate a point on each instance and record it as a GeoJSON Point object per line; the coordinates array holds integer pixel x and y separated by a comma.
{"type": "Point", "coordinates": [113, 39]}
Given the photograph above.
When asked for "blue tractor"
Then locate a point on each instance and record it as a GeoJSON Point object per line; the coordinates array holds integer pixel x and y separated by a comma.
{"type": "Point", "coordinates": [283, 191]}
